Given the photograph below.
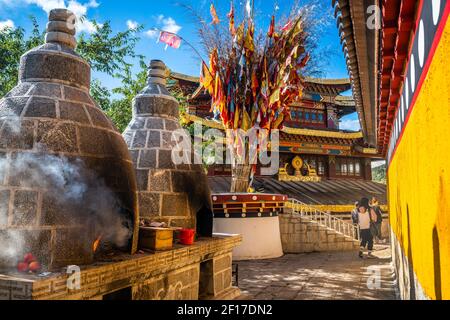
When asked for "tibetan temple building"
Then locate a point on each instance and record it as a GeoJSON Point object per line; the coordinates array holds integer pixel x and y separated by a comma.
{"type": "Point", "coordinates": [320, 164]}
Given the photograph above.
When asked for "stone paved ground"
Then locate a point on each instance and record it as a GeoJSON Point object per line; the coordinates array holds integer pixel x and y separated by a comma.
{"type": "Point", "coordinates": [329, 276]}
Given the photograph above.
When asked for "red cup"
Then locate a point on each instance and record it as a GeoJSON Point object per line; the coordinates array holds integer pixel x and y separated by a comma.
{"type": "Point", "coordinates": [187, 236]}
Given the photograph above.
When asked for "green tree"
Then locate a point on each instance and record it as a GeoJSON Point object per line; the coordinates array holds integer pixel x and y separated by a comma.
{"type": "Point", "coordinates": [379, 174]}
{"type": "Point", "coordinates": [120, 109]}
{"type": "Point", "coordinates": [13, 45]}
{"type": "Point", "coordinates": [105, 51]}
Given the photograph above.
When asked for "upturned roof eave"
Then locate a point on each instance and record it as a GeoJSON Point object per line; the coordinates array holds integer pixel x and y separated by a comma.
{"type": "Point", "coordinates": [360, 46]}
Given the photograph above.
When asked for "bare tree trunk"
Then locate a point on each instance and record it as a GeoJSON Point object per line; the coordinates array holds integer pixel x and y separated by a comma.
{"type": "Point", "coordinates": [240, 178]}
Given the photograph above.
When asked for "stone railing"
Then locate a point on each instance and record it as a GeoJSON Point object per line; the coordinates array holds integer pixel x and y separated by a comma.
{"type": "Point", "coordinates": [322, 218]}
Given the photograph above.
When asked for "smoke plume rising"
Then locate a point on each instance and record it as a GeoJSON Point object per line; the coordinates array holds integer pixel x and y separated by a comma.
{"type": "Point", "coordinates": [80, 196]}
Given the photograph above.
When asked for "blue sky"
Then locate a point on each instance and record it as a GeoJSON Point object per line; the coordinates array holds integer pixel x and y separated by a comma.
{"type": "Point", "coordinates": [169, 15]}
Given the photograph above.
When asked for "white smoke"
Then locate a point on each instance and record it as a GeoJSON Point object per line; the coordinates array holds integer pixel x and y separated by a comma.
{"type": "Point", "coordinates": [13, 124]}
{"type": "Point", "coordinates": [82, 198]}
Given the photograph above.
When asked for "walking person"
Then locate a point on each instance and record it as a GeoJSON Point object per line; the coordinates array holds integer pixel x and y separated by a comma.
{"type": "Point", "coordinates": [379, 221]}
{"type": "Point", "coordinates": [366, 216]}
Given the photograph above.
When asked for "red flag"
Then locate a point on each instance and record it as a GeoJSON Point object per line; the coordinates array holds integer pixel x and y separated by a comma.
{"type": "Point", "coordinates": [287, 26]}
{"type": "Point", "coordinates": [170, 39]}
{"type": "Point", "coordinates": [231, 17]}
{"type": "Point", "coordinates": [272, 28]}
{"type": "Point", "coordinates": [214, 15]}
{"type": "Point", "coordinates": [305, 60]}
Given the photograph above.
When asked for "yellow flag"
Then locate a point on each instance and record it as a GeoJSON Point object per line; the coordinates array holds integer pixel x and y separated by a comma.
{"type": "Point", "coordinates": [236, 118]}
{"type": "Point", "coordinates": [246, 121]}
{"type": "Point", "coordinates": [275, 96]}
{"type": "Point", "coordinates": [240, 33]}
{"type": "Point", "coordinates": [278, 122]}
{"type": "Point", "coordinates": [249, 44]}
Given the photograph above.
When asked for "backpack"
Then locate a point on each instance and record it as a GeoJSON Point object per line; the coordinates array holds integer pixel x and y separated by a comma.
{"type": "Point", "coordinates": [379, 214]}
{"type": "Point", "coordinates": [355, 217]}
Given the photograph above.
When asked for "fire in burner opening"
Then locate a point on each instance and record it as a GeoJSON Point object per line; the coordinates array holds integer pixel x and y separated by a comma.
{"type": "Point", "coordinates": [96, 244]}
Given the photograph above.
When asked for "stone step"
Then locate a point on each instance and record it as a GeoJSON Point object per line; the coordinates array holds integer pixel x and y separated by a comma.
{"type": "Point", "coordinates": [314, 225]}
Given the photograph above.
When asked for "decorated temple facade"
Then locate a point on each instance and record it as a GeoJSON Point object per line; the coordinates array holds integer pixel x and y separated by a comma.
{"type": "Point", "coordinates": [312, 147]}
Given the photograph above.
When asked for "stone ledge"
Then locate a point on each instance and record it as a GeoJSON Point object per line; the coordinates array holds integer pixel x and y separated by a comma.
{"type": "Point", "coordinates": [120, 272]}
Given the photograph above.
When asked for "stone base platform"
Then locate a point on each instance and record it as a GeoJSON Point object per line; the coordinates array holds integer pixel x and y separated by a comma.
{"type": "Point", "coordinates": [200, 271]}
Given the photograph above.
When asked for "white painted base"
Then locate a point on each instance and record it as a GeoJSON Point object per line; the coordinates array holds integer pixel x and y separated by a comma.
{"type": "Point", "coordinates": [261, 236]}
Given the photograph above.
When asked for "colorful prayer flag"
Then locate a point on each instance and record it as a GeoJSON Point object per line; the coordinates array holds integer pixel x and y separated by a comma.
{"type": "Point", "coordinates": [248, 8]}
{"type": "Point", "coordinates": [236, 118]}
{"type": "Point", "coordinates": [206, 79]}
{"type": "Point", "coordinates": [274, 97]}
{"type": "Point", "coordinates": [271, 28]}
{"type": "Point", "coordinates": [239, 34]}
{"type": "Point", "coordinates": [214, 15]}
{"type": "Point", "coordinates": [246, 121]}
{"type": "Point", "coordinates": [287, 26]}
{"type": "Point", "coordinates": [231, 17]}
{"type": "Point", "coordinates": [255, 84]}
{"type": "Point", "coordinates": [249, 43]}
{"type": "Point", "coordinates": [305, 61]}
{"type": "Point", "coordinates": [171, 39]}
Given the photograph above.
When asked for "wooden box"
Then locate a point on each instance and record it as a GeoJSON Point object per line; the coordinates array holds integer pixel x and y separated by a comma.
{"type": "Point", "coordinates": [155, 238]}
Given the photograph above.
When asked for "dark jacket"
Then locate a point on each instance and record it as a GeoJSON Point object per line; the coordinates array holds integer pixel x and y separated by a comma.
{"type": "Point", "coordinates": [379, 214]}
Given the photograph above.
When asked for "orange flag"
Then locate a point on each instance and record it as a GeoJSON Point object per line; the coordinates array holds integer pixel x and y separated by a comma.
{"type": "Point", "coordinates": [214, 15]}
{"type": "Point", "coordinates": [255, 84]}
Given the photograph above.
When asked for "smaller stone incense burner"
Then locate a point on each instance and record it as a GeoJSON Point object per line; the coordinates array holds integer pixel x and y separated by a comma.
{"type": "Point", "coordinates": [168, 192]}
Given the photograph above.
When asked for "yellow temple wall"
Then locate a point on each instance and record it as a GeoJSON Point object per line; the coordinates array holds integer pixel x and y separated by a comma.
{"type": "Point", "coordinates": [419, 187]}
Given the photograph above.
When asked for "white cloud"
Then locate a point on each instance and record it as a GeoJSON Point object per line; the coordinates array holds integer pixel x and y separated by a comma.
{"type": "Point", "coordinates": [151, 33]}
{"type": "Point", "coordinates": [77, 7]}
{"type": "Point", "coordinates": [352, 125]}
{"type": "Point", "coordinates": [132, 25]}
{"type": "Point", "coordinates": [166, 24]}
{"type": "Point", "coordinates": [6, 24]}
{"type": "Point", "coordinates": [170, 25]}
{"type": "Point", "coordinates": [159, 19]}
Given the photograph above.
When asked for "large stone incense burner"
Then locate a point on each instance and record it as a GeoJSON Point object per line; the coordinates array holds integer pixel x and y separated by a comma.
{"type": "Point", "coordinates": [66, 177]}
